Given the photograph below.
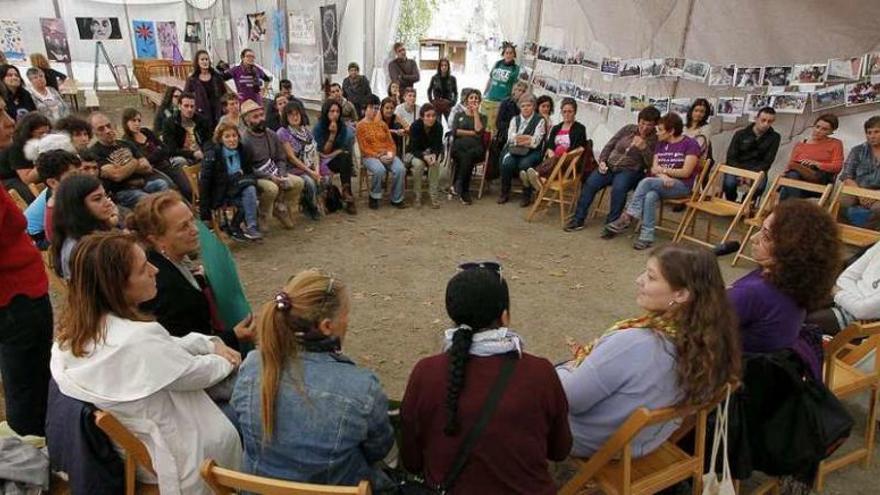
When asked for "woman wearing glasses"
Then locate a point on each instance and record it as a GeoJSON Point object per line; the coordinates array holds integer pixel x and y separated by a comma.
{"type": "Point", "coordinates": [306, 411]}
{"type": "Point", "coordinates": [447, 393]}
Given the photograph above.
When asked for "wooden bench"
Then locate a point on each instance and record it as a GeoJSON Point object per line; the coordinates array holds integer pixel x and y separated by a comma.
{"type": "Point", "coordinates": [150, 98]}
{"type": "Point", "coordinates": [91, 97]}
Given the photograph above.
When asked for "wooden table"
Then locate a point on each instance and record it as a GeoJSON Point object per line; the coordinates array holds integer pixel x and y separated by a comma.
{"type": "Point", "coordinates": [69, 91]}
{"type": "Point", "coordinates": [166, 81]}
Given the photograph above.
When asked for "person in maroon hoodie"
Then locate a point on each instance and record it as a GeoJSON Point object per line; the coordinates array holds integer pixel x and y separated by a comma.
{"type": "Point", "coordinates": [446, 393]}
{"type": "Point", "coordinates": [25, 314]}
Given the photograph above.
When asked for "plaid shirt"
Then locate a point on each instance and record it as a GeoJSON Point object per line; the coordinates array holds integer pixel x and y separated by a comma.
{"type": "Point", "coordinates": [863, 167]}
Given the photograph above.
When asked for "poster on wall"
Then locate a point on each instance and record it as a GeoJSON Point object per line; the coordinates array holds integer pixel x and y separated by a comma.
{"type": "Point", "coordinates": [55, 39]}
{"type": "Point", "coordinates": [830, 97]}
{"type": "Point", "coordinates": [10, 40]}
{"type": "Point", "coordinates": [301, 28]}
{"type": "Point", "coordinates": [98, 28]}
{"type": "Point", "coordinates": [278, 42]}
{"type": "Point", "coordinates": [144, 39]}
{"type": "Point", "coordinates": [167, 33]}
{"type": "Point", "coordinates": [844, 69]}
{"type": "Point", "coordinates": [304, 72]}
{"type": "Point", "coordinates": [193, 33]}
{"type": "Point", "coordinates": [257, 26]}
{"type": "Point", "coordinates": [330, 38]}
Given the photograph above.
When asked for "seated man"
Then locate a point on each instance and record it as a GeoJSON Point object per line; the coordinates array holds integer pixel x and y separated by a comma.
{"type": "Point", "coordinates": [752, 148]}
{"type": "Point", "coordinates": [79, 130]}
{"type": "Point", "coordinates": [52, 167]}
{"type": "Point", "coordinates": [277, 186]}
{"type": "Point", "coordinates": [379, 155]}
{"type": "Point", "coordinates": [186, 134]}
{"type": "Point", "coordinates": [622, 164]}
{"type": "Point", "coordinates": [862, 168]}
{"type": "Point", "coordinates": [273, 116]}
{"type": "Point", "coordinates": [426, 146]}
{"type": "Point", "coordinates": [349, 112]}
{"type": "Point", "coordinates": [127, 175]}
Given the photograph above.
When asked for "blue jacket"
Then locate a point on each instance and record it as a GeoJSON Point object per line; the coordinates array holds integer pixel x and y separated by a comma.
{"type": "Point", "coordinates": [330, 434]}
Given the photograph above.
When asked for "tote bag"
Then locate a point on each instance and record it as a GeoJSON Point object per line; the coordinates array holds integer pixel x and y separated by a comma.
{"type": "Point", "coordinates": [711, 484]}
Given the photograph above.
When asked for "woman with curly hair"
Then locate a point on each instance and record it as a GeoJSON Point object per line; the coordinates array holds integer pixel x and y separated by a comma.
{"type": "Point", "coordinates": [446, 393]}
{"type": "Point", "coordinates": [681, 351]}
{"type": "Point", "coordinates": [798, 253]}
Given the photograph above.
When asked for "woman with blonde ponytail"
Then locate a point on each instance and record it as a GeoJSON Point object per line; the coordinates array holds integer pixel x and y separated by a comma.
{"type": "Point", "coordinates": [306, 411]}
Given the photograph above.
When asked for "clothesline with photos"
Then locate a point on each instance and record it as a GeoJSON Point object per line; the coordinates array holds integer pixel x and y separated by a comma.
{"type": "Point", "coordinates": [849, 81]}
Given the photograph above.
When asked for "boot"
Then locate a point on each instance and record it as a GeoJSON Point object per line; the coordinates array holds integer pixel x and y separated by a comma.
{"type": "Point", "coordinates": [526, 197]}
{"type": "Point", "coordinates": [348, 199]}
{"type": "Point", "coordinates": [282, 213]}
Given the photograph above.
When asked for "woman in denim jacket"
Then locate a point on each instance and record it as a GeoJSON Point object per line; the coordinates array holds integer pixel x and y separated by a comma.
{"type": "Point", "coordinates": [307, 412]}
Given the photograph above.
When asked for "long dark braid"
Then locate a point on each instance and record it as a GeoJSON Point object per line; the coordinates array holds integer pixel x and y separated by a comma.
{"type": "Point", "coordinates": [459, 353]}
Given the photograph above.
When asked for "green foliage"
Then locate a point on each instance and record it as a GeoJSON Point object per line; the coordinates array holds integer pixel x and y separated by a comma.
{"type": "Point", "coordinates": [415, 19]}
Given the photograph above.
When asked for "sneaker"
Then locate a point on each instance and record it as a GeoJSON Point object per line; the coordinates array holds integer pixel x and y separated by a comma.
{"type": "Point", "coordinates": [504, 198]}
{"type": "Point", "coordinates": [620, 225]}
{"type": "Point", "coordinates": [607, 234]}
{"type": "Point", "coordinates": [238, 236]}
{"type": "Point", "coordinates": [641, 244]}
{"type": "Point", "coordinates": [534, 179]}
{"type": "Point", "coordinates": [465, 198]}
{"type": "Point", "coordinates": [374, 203]}
{"type": "Point", "coordinates": [573, 225]}
{"type": "Point", "coordinates": [251, 234]}
{"type": "Point", "coordinates": [400, 205]}
{"type": "Point", "coordinates": [283, 217]}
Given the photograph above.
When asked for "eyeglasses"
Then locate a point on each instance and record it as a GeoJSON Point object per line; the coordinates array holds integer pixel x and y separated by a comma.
{"type": "Point", "coordinates": [488, 265]}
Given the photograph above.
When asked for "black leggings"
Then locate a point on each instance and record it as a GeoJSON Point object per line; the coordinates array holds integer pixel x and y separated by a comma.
{"type": "Point", "coordinates": [466, 156]}
{"type": "Point", "coordinates": [341, 164]}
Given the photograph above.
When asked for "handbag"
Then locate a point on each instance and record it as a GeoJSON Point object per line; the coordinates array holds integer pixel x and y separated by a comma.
{"type": "Point", "coordinates": [711, 484]}
{"type": "Point", "coordinates": [517, 150]}
{"type": "Point", "coordinates": [413, 485]}
{"type": "Point", "coordinates": [807, 173]}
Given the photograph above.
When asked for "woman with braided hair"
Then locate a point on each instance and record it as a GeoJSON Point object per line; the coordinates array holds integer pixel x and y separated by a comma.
{"type": "Point", "coordinates": [306, 411]}
{"type": "Point", "coordinates": [446, 395]}
{"type": "Point", "coordinates": [682, 351]}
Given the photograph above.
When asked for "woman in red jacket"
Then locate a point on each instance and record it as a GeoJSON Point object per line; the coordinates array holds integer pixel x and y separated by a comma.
{"type": "Point", "coordinates": [25, 314]}
{"type": "Point", "coordinates": [446, 394]}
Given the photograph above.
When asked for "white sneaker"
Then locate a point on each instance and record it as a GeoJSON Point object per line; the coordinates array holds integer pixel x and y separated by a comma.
{"type": "Point", "coordinates": [534, 179]}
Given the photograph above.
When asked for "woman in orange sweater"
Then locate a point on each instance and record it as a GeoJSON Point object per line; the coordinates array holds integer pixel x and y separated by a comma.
{"type": "Point", "coordinates": [817, 159]}
{"type": "Point", "coordinates": [379, 155]}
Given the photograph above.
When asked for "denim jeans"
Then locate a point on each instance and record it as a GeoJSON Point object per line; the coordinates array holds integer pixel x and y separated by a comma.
{"type": "Point", "coordinates": [247, 203]}
{"type": "Point", "coordinates": [621, 182]}
{"type": "Point", "coordinates": [310, 192]}
{"type": "Point", "coordinates": [25, 349]}
{"type": "Point", "coordinates": [512, 165]}
{"type": "Point", "coordinates": [643, 205]}
{"type": "Point", "coordinates": [130, 197]}
{"type": "Point", "coordinates": [379, 169]}
{"type": "Point", "coordinates": [730, 188]}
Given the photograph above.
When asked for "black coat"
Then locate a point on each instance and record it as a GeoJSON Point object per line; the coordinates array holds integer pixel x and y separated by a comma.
{"type": "Point", "coordinates": [577, 136]}
{"type": "Point", "coordinates": [174, 135]}
{"type": "Point", "coordinates": [209, 108]}
{"type": "Point", "coordinates": [180, 307]}
{"type": "Point", "coordinates": [216, 187]}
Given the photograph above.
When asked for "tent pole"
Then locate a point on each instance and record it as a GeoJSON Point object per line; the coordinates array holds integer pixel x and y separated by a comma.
{"type": "Point", "coordinates": [130, 37]}
{"type": "Point", "coordinates": [684, 37]}
{"type": "Point", "coordinates": [370, 39]}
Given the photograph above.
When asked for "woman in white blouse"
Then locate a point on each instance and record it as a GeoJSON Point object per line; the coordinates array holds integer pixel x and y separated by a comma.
{"type": "Point", "coordinates": [110, 354]}
{"type": "Point", "coordinates": [48, 100]}
{"type": "Point", "coordinates": [856, 295]}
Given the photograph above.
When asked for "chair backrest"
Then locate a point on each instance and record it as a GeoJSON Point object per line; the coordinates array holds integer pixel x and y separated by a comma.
{"type": "Point", "coordinates": [228, 482]}
{"type": "Point", "coordinates": [852, 234]}
{"type": "Point", "coordinates": [566, 168]}
{"type": "Point", "coordinates": [771, 197]}
{"type": "Point", "coordinates": [869, 331]}
{"type": "Point", "coordinates": [135, 450]}
{"type": "Point", "coordinates": [17, 199]}
{"type": "Point", "coordinates": [705, 165]}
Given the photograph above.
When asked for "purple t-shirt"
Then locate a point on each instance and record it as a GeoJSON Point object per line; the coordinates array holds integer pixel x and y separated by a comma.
{"type": "Point", "coordinates": [672, 155]}
{"type": "Point", "coordinates": [248, 83]}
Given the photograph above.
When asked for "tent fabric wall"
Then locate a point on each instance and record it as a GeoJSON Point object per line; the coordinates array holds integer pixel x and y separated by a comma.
{"type": "Point", "coordinates": [747, 32]}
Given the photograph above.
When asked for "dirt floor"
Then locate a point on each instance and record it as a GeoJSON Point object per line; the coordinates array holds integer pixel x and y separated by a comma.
{"type": "Point", "coordinates": [397, 263]}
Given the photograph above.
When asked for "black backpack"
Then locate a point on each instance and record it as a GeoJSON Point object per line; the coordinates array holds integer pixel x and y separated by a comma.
{"type": "Point", "coordinates": [333, 198]}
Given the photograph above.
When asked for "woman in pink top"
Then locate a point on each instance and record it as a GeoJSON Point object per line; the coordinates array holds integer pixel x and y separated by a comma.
{"type": "Point", "coordinates": [817, 159]}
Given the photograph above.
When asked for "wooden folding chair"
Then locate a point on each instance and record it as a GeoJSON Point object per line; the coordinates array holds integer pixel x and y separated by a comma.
{"type": "Point", "coordinates": [192, 173]}
{"type": "Point", "coordinates": [17, 199]}
{"type": "Point", "coordinates": [850, 234]}
{"type": "Point", "coordinates": [617, 473]}
{"type": "Point", "coordinates": [561, 187]}
{"type": "Point", "coordinates": [714, 206]}
{"type": "Point", "coordinates": [136, 453]}
{"type": "Point", "coordinates": [845, 380]}
{"type": "Point", "coordinates": [770, 200]}
{"type": "Point", "coordinates": [229, 482]}
{"type": "Point", "coordinates": [696, 189]}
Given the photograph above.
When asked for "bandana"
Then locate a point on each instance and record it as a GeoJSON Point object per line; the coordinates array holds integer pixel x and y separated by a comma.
{"type": "Point", "coordinates": [488, 342]}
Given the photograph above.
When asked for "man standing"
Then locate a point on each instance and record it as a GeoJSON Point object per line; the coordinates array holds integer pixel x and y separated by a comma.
{"type": "Point", "coordinates": [379, 155]}
{"type": "Point", "coordinates": [127, 175]}
{"type": "Point", "coordinates": [862, 169]}
{"type": "Point", "coordinates": [277, 187]}
{"type": "Point", "coordinates": [404, 71]}
{"type": "Point", "coordinates": [248, 77]}
{"type": "Point", "coordinates": [186, 134]}
{"type": "Point", "coordinates": [752, 148]}
{"type": "Point", "coordinates": [356, 88]}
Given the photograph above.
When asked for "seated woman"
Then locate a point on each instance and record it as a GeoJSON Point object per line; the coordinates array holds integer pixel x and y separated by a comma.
{"type": "Point", "coordinates": [407, 112]}
{"type": "Point", "coordinates": [622, 164]}
{"type": "Point", "coordinates": [446, 394]}
{"type": "Point", "coordinates": [379, 152]}
{"type": "Point", "coordinates": [168, 107]}
{"type": "Point", "coordinates": [16, 170]}
{"type": "Point", "coordinates": [394, 93]}
{"type": "Point", "coordinates": [426, 146]}
{"type": "Point", "coordinates": [682, 351]}
{"type": "Point", "coordinates": [395, 125]}
{"type": "Point", "coordinates": [48, 100]}
{"type": "Point", "coordinates": [18, 99]}
{"type": "Point", "coordinates": [817, 159]}
{"type": "Point", "coordinates": [165, 226]}
{"type": "Point", "coordinates": [109, 353]}
{"type": "Point", "coordinates": [771, 302]}
{"type": "Point", "coordinates": [672, 176]}
{"type": "Point", "coordinates": [81, 208]}
{"type": "Point", "coordinates": [856, 295]}
{"type": "Point", "coordinates": [302, 153]}
{"type": "Point", "coordinates": [544, 106]}
{"type": "Point", "coordinates": [696, 125]}
{"type": "Point", "coordinates": [152, 148]}
{"type": "Point", "coordinates": [307, 412]}
{"type": "Point", "coordinates": [227, 178]}
{"type": "Point", "coordinates": [231, 110]}
{"type": "Point", "coordinates": [468, 148]}
{"type": "Point", "coordinates": [566, 136]}
{"type": "Point", "coordinates": [333, 138]}
{"type": "Point", "coordinates": [525, 138]}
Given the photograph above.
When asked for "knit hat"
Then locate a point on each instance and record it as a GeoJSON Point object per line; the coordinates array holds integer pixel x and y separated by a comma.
{"type": "Point", "coordinates": [249, 106]}
{"type": "Point", "coordinates": [54, 141]}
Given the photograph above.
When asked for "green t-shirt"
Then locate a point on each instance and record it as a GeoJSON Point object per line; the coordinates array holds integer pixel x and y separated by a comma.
{"type": "Point", "coordinates": [502, 77]}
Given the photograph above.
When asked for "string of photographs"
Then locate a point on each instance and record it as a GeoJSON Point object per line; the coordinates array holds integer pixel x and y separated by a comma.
{"type": "Point", "coordinates": [849, 82]}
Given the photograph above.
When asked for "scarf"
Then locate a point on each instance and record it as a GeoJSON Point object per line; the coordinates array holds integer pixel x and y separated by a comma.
{"type": "Point", "coordinates": [650, 321]}
{"type": "Point", "coordinates": [488, 342]}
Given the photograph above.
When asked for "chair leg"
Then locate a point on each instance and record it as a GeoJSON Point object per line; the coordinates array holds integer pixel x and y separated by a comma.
{"type": "Point", "coordinates": [871, 427]}
{"type": "Point", "coordinates": [742, 246]}
{"type": "Point", "coordinates": [536, 204]}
